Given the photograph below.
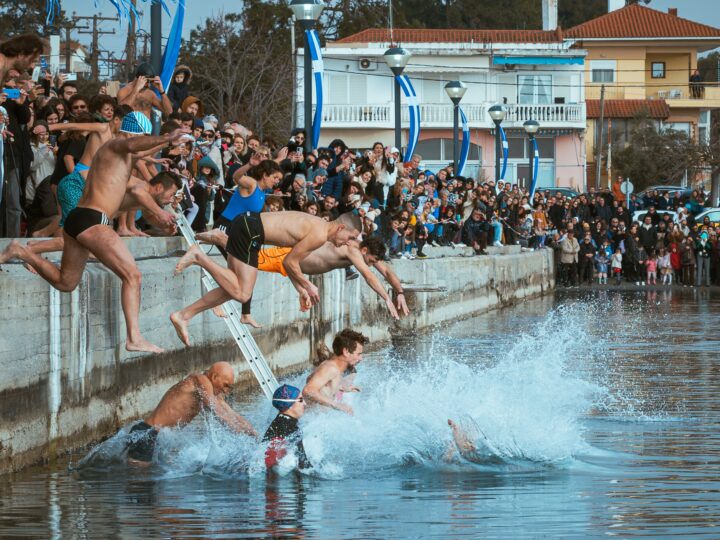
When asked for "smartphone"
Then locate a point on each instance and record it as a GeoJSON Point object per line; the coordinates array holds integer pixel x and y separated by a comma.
{"type": "Point", "coordinates": [52, 139]}
{"type": "Point", "coordinates": [11, 93]}
{"type": "Point", "coordinates": [71, 76]}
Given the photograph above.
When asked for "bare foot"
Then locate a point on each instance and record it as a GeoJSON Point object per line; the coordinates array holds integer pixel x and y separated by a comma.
{"type": "Point", "coordinates": [215, 237]}
{"type": "Point", "coordinates": [247, 319]}
{"type": "Point", "coordinates": [180, 325]}
{"type": "Point", "coordinates": [219, 312]}
{"type": "Point", "coordinates": [138, 232]}
{"type": "Point", "coordinates": [190, 258]}
{"type": "Point", "coordinates": [124, 231]}
{"type": "Point", "coordinates": [14, 250]}
{"type": "Point", "coordinates": [142, 345]}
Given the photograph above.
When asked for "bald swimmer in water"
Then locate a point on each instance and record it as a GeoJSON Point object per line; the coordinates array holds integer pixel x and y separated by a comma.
{"type": "Point", "coordinates": [181, 404]}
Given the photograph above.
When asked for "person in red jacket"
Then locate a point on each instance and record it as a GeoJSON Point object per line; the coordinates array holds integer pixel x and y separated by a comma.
{"type": "Point", "coordinates": [675, 261]}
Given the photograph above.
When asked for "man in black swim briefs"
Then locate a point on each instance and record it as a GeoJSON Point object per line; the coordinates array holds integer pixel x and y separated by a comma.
{"type": "Point", "coordinates": [181, 403]}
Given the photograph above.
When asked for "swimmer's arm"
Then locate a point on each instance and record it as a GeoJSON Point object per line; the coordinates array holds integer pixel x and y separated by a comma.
{"type": "Point", "coordinates": [135, 145]}
{"type": "Point", "coordinates": [69, 162]}
{"type": "Point", "coordinates": [223, 411]}
{"type": "Point", "coordinates": [297, 254]}
{"type": "Point", "coordinates": [394, 281]}
{"type": "Point", "coordinates": [317, 380]}
{"type": "Point", "coordinates": [371, 279]}
{"type": "Point", "coordinates": [94, 127]}
{"type": "Point", "coordinates": [143, 169]}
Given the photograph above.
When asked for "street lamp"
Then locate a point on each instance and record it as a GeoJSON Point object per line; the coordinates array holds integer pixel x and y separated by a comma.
{"type": "Point", "coordinates": [455, 91]}
{"type": "Point", "coordinates": [531, 128]}
{"type": "Point", "coordinates": [396, 59]}
{"type": "Point", "coordinates": [497, 113]}
{"type": "Point", "coordinates": [306, 13]}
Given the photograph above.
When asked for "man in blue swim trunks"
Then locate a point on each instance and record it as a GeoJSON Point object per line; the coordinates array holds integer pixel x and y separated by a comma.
{"type": "Point", "coordinates": [88, 227]}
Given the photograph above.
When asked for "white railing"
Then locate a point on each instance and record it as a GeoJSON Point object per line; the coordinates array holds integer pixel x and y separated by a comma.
{"type": "Point", "coordinates": [555, 113]}
{"type": "Point", "coordinates": [441, 115]}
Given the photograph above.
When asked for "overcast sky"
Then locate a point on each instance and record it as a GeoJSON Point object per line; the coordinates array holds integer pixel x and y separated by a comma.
{"type": "Point", "coordinates": [704, 11]}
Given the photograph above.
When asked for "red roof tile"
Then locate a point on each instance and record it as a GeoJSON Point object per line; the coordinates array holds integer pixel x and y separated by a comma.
{"type": "Point", "coordinates": [628, 108]}
{"type": "Point", "coordinates": [429, 35]}
{"type": "Point", "coordinates": [636, 21]}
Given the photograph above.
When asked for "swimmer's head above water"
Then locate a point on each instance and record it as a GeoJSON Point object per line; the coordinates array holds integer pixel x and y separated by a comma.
{"type": "Point", "coordinates": [286, 397]}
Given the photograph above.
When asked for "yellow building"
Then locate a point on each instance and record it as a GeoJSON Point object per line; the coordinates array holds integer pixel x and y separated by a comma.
{"type": "Point", "coordinates": [644, 58]}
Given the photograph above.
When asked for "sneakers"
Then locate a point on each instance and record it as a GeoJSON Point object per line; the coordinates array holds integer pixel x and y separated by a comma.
{"type": "Point", "coordinates": [421, 256]}
{"type": "Point", "coordinates": [351, 274]}
{"type": "Point", "coordinates": [459, 245]}
{"type": "Point", "coordinates": [498, 244]}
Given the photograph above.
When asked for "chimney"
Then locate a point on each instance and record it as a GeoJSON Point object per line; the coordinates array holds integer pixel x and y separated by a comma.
{"type": "Point", "coordinates": [615, 4]}
{"type": "Point", "coordinates": [672, 11]}
{"type": "Point", "coordinates": [549, 14]}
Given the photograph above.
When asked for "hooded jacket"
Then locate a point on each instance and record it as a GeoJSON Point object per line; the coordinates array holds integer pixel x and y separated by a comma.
{"type": "Point", "coordinates": [178, 93]}
{"type": "Point", "coordinates": [189, 101]}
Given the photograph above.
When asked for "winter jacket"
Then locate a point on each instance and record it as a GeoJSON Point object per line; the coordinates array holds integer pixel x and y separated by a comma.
{"type": "Point", "coordinates": [177, 93]}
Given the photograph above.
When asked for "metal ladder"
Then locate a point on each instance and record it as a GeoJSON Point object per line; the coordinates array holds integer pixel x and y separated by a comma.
{"type": "Point", "coordinates": [243, 338]}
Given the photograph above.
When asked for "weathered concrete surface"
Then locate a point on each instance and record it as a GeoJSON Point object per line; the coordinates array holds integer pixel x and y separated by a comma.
{"type": "Point", "coordinates": [66, 379]}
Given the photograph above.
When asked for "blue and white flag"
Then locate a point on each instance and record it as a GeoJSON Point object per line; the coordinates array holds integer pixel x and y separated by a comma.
{"type": "Point", "coordinates": [536, 166]}
{"type": "Point", "coordinates": [172, 48]}
{"type": "Point", "coordinates": [124, 8]}
{"type": "Point", "coordinates": [414, 113]}
{"type": "Point", "coordinates": [317, 68]}
{"type": "Point", "coordinates": [504, 151]}
{"type": "Point", "coordinates": [465, 148]}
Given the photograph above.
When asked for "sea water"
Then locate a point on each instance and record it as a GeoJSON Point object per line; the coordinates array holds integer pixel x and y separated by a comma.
{"type": "Point", "coordinates": [592, 414]}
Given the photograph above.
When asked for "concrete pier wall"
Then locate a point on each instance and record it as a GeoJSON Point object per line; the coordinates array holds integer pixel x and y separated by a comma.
{"type": "Point", "coordinates": [66, 379]}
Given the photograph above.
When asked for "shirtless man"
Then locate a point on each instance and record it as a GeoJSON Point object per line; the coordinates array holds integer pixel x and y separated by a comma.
{"type": "Point", "coordinates": [363, 255]}
{"type": "Point", "coordinates": [139, 93]}
{"type": "Point", "coordinates": [87, 227]}
{"type": "Point", "coordinates": [302, 232]}
{"type": "Point", "coordinates": [182, 403]}
{"type": "Point", "coordinates": [325, 385]}
{"type": "Point", "coordinates": [19, 53]}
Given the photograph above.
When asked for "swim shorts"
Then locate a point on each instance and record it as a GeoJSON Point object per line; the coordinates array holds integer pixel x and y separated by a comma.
{"type": "Point", "coordinates": [272, 259]}
{"type": "Point", "coordinates": [81, 219]}
{"type": "Point", "coordinates": [143, 438]}
{"type": "Point", "coordinates": [69, 191]}
{"type": "Point", "coordinates": [245, 238]}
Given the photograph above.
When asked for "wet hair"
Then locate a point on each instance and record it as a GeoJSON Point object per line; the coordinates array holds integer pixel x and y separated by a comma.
{"type": "Point", "coordinates": [99, 101]}
{"type": "Point", "coordinates": [168, 179]}
{"type": "Point", "coordinates": [265, 167]}
{"type": "Point", "coordinates": [348, 339]}
{"type": "Point", "coordinates": [375, 247]}
{"type": "Point", "coordinates": [22, 45]}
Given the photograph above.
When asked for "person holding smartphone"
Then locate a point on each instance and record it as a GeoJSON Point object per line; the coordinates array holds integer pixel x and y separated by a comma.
{"type": "Point", "coordinates": [144, 92]}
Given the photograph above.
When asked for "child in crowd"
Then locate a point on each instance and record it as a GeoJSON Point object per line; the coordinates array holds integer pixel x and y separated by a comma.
{"type": "Point", "coordinates": [616, 265]}
{"type": "Point", "coordinates": [675, 264]}
{"type": "Point", "coordinates": [602, 261]}
{"type": "Point", "coordinates": [664, 267]}
{"type": "Point", "coordinates": [651, 265]}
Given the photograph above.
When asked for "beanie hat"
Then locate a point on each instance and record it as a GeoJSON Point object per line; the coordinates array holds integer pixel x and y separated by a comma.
{"type": "Point", "coordinates": [136, 123]}
{"type": "Point", "coordinates": [285, 397]}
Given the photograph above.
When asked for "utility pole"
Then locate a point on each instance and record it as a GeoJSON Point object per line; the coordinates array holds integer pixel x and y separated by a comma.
{"type": "Point", "coordinates": [69, 26]}
{"type": "Point", "coordinates": [598, 143]}
{"type": "Point", "coordinates": [96, 33]}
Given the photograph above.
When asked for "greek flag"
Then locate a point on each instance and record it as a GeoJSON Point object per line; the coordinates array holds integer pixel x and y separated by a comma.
{"type": "Point", "coordinates": [172, 49]}
{"type": "Point", "coordinates": [536, 166]}
{"type": "Point", "coordinates": [414, 112]}
{"type": "Point", "coordinates": [504, 151]}
{"type": "Point", "coordinates": [124, 8]}
{"type": "Point", "coordinates": [317, 67]}
{"type": "Point", "coordinates": [465, 148]}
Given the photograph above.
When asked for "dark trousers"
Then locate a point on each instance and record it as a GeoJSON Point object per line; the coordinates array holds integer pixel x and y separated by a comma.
{"type": "Point", "coordinates": [568, 274]}
{"type": "Point", "coordinates": [586, 270]}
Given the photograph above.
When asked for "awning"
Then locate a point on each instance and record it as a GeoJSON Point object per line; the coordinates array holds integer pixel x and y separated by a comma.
{"type": "Point", "coordinates": [535, 60]}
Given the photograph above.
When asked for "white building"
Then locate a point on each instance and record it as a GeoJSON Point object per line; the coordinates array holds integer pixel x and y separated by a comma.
{"type": "Point", "coordinates": [534, 73]}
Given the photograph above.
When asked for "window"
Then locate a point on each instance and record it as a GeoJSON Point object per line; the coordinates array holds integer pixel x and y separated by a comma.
{"type": "Point", "coordinates": [602, 71]}
{"type": "Point", "coordinates": [679, 126]}
{"type": "Point", "coordinates": [657, 70]}
{"type": "Point", "coordinates": [535, 89]}
{"type": "Point", "coordinates": [518, 147]}
{"type": "Point", "coordinates": [441, 150]}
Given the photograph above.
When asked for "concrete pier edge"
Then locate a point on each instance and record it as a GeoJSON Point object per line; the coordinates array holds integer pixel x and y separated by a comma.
{"type": "Point", "coordinates": [66, 380]}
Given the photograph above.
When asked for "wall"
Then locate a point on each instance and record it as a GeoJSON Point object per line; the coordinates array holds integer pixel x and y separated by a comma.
{"type": "Point", "coordinates": [67, 381]}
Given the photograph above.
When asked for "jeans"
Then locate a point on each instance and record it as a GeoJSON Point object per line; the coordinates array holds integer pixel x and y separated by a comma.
{"type": "Point", "coordinates": [11, 204]}
{"type": "Point", "coordinates": [703, 264]}
{"type": "Point", "coordinates": [497, 231]}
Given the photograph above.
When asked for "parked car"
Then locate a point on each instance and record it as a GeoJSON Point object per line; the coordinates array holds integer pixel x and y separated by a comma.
{"type": "Point", "coordinates": [672, 189]}
{"type": "Point", "coordinates": [712, 213]}
{"type": "Point", "coordinates": [639, 215]}
{"type": "Point", "coordinates": [566, 191]}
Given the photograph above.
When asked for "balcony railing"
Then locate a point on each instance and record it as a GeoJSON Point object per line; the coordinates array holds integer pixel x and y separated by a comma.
{"type": "Point", "coordinates": [689, 92]}
{"type": "Point", "coordinates": [440, 115]}
{"type": "Point", "coordinates": [558, 113]}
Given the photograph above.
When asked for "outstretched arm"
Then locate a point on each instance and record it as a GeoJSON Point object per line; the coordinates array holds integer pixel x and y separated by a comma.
{"type": "Point", "coordinates": [95, 127]}
{"type": "Point", "coordinates": [133, 145]}
{"type": "Point", "coordinates": [371, 279]}
{"type": "Point", "coordinates": [223, 411]}
{"type": "Point", "coordinates": [313, 240]}
{"type": "Point", "coordinates": [394, 281]}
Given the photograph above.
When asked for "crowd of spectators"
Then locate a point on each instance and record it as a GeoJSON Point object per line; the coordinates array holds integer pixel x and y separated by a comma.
{"type": "Point", "coordinates": [406, 205]}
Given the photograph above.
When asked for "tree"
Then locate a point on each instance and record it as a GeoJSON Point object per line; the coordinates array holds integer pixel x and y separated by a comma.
{"type": "Point", "coordinates": [655, 155]}
{"type": "Point", "coordinates": [26, 17]}
{"type": "Point", "coordinates": [242, 66]}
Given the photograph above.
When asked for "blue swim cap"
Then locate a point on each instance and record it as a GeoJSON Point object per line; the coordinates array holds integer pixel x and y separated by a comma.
{"type": "Point", "coordinates": [285, 397]}
{"type": "Point", "coordinates": [136, 123]}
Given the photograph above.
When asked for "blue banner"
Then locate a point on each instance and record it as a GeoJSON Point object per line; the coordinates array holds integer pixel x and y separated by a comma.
{"type": "Point", "coordinates": [504, 151]}
{"type": "Point", "coordinates": [317, 67]}
{"type": "Point", "coordinates": [536, 167]}
{"type": "Point", "coordinates": [465, 148]}
{"type": "Point", "coordinates": [413, 112]}
{"type": "Point", "coordinates": [124, 8]}
{"type": "Point", "coordinates": [172, 49]}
